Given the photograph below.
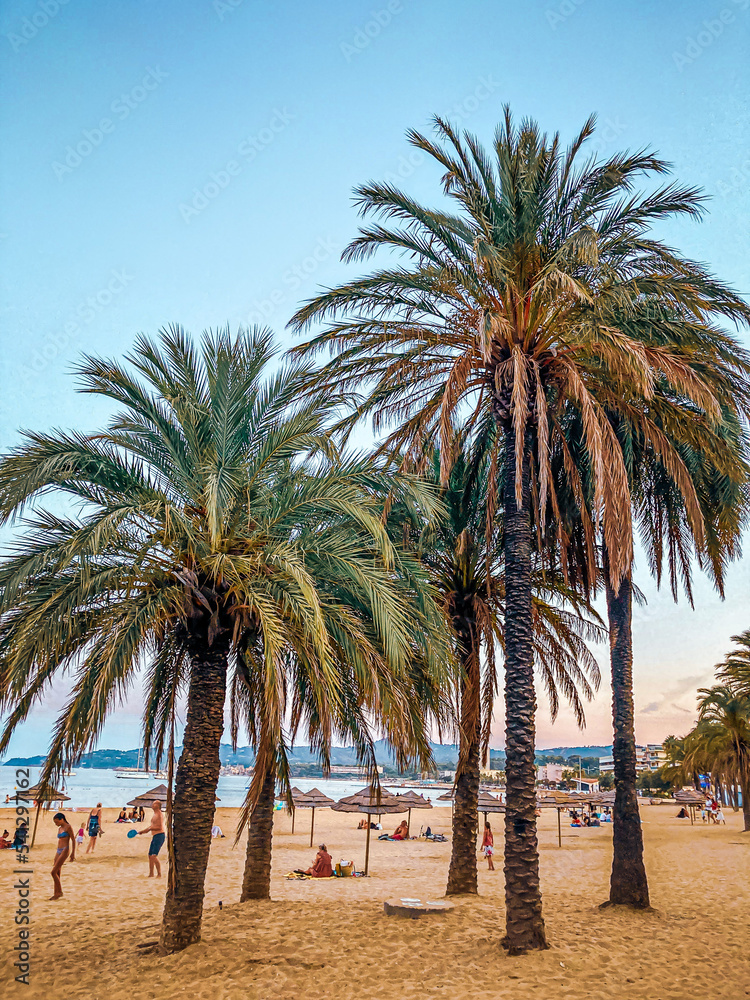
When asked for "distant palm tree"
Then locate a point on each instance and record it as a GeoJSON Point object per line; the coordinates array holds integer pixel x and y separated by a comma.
{"type": "Point", "coordinates": [505, 310]}
{"type": "Point", "coordinates": [204, 512]}
{"type": "Point", "coordinates": [735, 667]}
{"type": "Point", "coordinates": [467, 569]}
{"type": "Point", "coordinates": [720, 743]}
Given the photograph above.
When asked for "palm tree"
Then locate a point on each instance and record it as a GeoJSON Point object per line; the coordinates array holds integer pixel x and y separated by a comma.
{"type": "Point", "coordinates": [720, 743]}
{"type": "Point", "coordinates": [735, 667]}
{"type": "Point", "coordinates": [688, 474]}
{"type": "Point", "coordinates": [379, 689]}
{"type": "Point", "coordinates": [466, 568]}
{"type": "Point", "coordinates": [186, 550]}
{"type": "Point", "coordinates": [502, 313]}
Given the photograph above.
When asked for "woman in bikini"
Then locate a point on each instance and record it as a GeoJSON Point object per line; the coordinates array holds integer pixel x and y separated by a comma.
{"type": "Point", "coordinates": [66, 844]}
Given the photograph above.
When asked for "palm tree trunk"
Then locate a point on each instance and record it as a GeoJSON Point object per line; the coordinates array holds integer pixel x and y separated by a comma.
{"type": "Point", "coordinates": [256, 880]}
{"type": "Point", "coordinates": [523, 898]}
{"type": "Point", "coordinates": [462, 874]}
{"type": "Point", "coordinates": [628, 884]}
{"type": "Point", "coordinates": [195, 796]}
{"type": "Point", "coordinates": [745, 792]}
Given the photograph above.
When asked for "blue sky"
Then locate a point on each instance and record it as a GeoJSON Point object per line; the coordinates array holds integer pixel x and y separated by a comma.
{"type": "Point", "coordinates": [194, 161]}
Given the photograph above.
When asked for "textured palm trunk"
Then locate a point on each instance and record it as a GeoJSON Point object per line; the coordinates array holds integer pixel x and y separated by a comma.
{"type": "Point", "coordinates": [256, 880]}
{"type": "Point", "coordinates": [628, 884]}
{"type": "Point", "coordinates": [462, 874]}
{"type": "Point", "coordinates": [523, 898]}
{"type": "Point", "coordinates": [195, 797]}
{"type": "Point", "coordinates": [745, 792]}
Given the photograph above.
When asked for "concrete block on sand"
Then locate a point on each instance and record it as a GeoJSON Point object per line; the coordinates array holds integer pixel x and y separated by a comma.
{"type": "Point", "coordinates": [414, 908]}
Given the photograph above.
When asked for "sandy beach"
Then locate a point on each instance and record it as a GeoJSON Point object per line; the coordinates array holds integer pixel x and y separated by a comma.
{"type": "Point", "coordinates": [331, 939]}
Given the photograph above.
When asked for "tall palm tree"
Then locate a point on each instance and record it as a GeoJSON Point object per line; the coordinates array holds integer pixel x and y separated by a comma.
{"type": "Point", "coordinates": [466, 567]}
{"type": "Point", "coordinates": [185, 553]}
{"type": "Point", "coordinates": [502, 311]}
{"type": "Point", "coordinates": [688, 473]}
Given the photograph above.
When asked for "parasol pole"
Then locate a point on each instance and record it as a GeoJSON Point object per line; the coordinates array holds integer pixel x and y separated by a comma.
{"type": "Point", "coordinates": [559, 832]}
{"type": "Point", "coordinates": [367, 847]}
{"type": "Point", "coordinates": [36, 820]}
{"type": "Point", "coordinates": [312, 826]}
{"type": "Point", "coordinates": [408, 822]}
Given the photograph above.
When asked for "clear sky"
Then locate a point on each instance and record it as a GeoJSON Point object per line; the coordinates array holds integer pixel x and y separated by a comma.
{"type": "Point", "coordinates": [193, 161]}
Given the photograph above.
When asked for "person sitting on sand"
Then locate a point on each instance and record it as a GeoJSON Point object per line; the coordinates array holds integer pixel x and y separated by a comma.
{"type": "Point", "coordinates": [66, 845]}
{"type": "Point", "coordinates": [683, 813]}
{"type": "Point", "coordinates": [5, 840]}
{"type": "Point", "coordinates": [216, 831]}
{"type": "Point", "coordinates": [322, 867]}
{"type": "Point", "coordinates": [402, 831]}
{"type": "Point", "coordinates": [363, 824]}
{"type": "Point", "coordinates": [123, 817]}
{"type": "Point", "coordinates": [158, 836]}
{"type": "Point", "coordinates": [22, 832]}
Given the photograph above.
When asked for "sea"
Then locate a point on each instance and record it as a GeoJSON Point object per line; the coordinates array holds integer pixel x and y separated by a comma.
{"type": "Point", "coordinates": [89, 785]}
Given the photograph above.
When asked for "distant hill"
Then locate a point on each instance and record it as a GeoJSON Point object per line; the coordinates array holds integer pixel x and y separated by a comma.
{"type": "Point", "coordinates": [575, 751]}
{"type": "Point", "coordinates": [445, 754]}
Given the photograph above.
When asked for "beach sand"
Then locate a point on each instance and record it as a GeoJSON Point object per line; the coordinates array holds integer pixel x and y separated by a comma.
{"type": "Point", "coordinates": [331, 939]}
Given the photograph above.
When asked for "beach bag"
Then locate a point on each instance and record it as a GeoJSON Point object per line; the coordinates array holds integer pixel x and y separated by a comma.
{"type": "Point", "coordinates": [345, 869]}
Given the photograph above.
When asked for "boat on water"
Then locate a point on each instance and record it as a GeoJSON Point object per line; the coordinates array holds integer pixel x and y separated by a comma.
{"type": "Point", "coordinates": [139, 772]}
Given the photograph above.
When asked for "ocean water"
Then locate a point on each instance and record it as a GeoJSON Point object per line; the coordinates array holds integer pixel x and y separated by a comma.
{"type": "Point", "coordinates": [91, 785]}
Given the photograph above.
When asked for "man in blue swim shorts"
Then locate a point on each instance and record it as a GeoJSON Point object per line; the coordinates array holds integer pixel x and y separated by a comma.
{"type": "Point", "coordinates": [158, 836]}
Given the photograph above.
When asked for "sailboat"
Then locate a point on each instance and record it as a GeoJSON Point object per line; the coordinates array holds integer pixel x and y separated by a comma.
{"type": "Point", "coordinates": [138, 772]}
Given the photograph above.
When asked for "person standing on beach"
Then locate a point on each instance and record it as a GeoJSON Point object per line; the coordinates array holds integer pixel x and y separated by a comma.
{"type": "Point", "coordinates": [158, 836]}
{"type": "Point", "coordinates": [66, 845]}
{"type": "Point", "coordinates": [94, 827]}
{"type": "Point", "coordinates": [488, 845]}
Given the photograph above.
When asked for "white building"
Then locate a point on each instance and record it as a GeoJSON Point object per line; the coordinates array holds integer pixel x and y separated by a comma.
{"type": "Point", "coordinates": [550, 772]}
{"type": "Point", "coordinates": [648, 757]}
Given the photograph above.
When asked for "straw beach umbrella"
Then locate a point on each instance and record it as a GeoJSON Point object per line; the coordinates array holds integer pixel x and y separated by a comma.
{"type": "Point", "coordinates": [560, 801]}
{"type": "Point", "coordinates": [314, 799]}
{"type": "Point", "coordinates": [42, 795]}
{"type": "Point", "coordinates": [298, 802]}
{"type": "Point", "coordinates": [414, 801]}
{"type": "Point", "coordinates": [690, 798]}
{"type": "Point", "coordinates": [372, 802]}
{"type": "Point", "coordinates": [488, 803]}
{"type": "Point", "coordinates": [157, 794]}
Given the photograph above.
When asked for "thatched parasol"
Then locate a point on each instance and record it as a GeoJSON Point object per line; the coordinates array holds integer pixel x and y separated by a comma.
{"type": "Point", "coordinates": [298, 799]}
{"type": "Point", "coordinates": [691, 798]}
{"type": "Point", "coordinates": [49, 794]}
{"type": "Point", "coordinates": [157, 794]}
{"type": "Point", "coordinates": [414, 801]}
{"type": "Point", "coordinates": [488, 803]}
{"type": "Point", "coordinates": [314, 799]}
{"type": "Point", "coordinates": [560, 801]}
{"type": "Point", "coordinates": [41, 795]}
{"type": "Point", "coordinates": [372, 802]}
{"type": "Point", "coordinates": [602, 798]}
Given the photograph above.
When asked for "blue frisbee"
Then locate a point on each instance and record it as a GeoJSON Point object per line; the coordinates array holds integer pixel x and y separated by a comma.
{"type": "Point", "coordinates": [132, 833]}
